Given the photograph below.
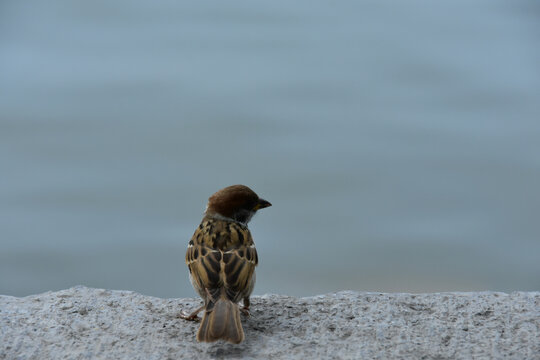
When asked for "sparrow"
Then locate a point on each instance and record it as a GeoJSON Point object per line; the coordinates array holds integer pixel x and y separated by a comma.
{"type": "Point", "coordinates": [221, 258]}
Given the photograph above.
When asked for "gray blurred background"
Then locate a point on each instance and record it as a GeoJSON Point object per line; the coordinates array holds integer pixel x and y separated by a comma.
{"type": "Point", "coordinates": [398, 141]}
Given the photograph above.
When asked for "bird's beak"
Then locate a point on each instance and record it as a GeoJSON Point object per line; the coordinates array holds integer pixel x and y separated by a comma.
{"type": "Point", "coordinates": [262, 204]}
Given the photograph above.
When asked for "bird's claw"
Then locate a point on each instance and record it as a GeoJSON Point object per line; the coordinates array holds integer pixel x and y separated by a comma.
{"type": "Point", "coordinates": [189, 317]}
{"type": "Point", "coordinates": [245, 310]}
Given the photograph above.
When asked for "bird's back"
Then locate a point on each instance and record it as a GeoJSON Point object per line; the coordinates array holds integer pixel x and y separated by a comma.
{"type": "Point", "coordinates": [221, 257]}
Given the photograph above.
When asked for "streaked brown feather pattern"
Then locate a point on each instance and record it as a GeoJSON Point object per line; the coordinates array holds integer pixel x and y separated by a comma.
{"type": "Point", "coordinates": [221, 258]}
{"type": "Point", "coordinates": [222, 255]}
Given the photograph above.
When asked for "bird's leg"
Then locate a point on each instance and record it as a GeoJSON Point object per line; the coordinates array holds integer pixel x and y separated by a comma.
{"type": "Point", "coordinates": [191, 317]}
{"type": "Point", "coordinates": [209, 296]}
{"type": "Point", "coordinates": [245, 309]}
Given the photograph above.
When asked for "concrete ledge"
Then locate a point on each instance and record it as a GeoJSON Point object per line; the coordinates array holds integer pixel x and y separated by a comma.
{"type": "Point", "coordinates": [84, 323]}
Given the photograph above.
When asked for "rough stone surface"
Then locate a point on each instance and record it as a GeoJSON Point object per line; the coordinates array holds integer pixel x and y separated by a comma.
{"type": "Point", "coordinates": [84, 323]}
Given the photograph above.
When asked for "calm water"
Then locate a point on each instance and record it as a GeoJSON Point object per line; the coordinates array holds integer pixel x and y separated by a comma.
{"type": "Point", "coordinates": [398, 142]}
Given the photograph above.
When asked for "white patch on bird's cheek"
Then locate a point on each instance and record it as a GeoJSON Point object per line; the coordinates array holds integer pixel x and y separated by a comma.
{"type": "Point", "coordinates": [251, 213]}
{"type": "Point", "coordinates": [225, 218]}
{"type": "Point", "coordinates": [245, 216]}
{"type": "Point", "coordinates": [221, 217]}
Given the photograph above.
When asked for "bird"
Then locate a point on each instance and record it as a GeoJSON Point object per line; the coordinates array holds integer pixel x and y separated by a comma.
{"type": "Point", "coordinates": [221, 258]}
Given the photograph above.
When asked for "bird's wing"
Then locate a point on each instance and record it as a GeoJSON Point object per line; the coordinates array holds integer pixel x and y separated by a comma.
{"type": "Point", "coordinates": [239, 271]}
{"type": "Point", "coordinates": [204, 265]}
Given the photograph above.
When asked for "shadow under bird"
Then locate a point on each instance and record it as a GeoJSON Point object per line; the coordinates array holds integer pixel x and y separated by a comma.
{"type": "Point", "coordinates": [221, 258]}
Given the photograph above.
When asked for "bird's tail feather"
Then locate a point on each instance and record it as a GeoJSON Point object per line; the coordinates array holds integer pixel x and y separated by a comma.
{"type": "Point", "coordinates": [221, 321]}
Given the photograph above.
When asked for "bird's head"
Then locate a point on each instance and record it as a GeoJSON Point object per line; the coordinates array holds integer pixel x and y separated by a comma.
{"type": "Point", "coordinates": [237, 202]}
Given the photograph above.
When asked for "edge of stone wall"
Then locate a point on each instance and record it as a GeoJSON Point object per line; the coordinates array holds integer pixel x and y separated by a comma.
{"type": "Point", "coordinates": [87, 323]}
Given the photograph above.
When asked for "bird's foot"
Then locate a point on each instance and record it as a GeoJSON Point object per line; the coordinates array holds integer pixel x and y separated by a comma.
{"type": "Point", "coordinates": [191, 317]}
{"type": "Point", "coordinates": [245, 310]}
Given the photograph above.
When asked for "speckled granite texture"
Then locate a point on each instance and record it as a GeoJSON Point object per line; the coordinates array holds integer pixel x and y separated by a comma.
{"type": "Point", "coordinates": [85, 323]}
